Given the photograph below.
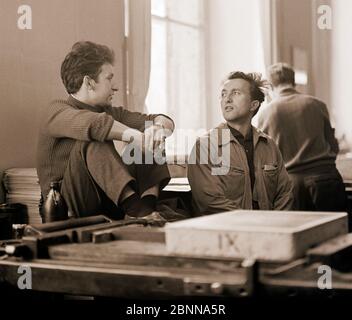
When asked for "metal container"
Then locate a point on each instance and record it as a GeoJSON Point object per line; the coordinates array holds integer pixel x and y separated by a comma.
{"type": "Point", "coordinates": [10, 213]}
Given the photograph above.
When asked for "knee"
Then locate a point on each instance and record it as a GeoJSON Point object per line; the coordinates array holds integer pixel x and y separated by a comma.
{"type": "Point", "coordinates": [120, 146]}
{"type": "Point", "coordinates": [94, 150]}
{"type": "Point", "coordinates": [99, 150]}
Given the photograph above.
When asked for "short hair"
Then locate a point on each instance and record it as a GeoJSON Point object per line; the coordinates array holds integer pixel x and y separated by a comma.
{"type": "Point", "coordinates": [281, 73]}
{"type": "Point", "coordinates": [258, 86]}
{"type": "Point", "coordinates": [85, 59]}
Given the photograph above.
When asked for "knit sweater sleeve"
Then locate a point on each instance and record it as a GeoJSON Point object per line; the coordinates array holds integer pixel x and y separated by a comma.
{"type": "Point", "coordinates": [329, 131]}
{"type": "Point", "coordinates": [132, 119]}
{"type": "Point", "coordinates": [64, 121]}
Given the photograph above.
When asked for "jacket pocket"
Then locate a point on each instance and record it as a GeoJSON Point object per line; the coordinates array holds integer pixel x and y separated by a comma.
{"type": "Point", "coordinates": [270, 177]}
{"type": "Point", "coordinates": [233, 184]}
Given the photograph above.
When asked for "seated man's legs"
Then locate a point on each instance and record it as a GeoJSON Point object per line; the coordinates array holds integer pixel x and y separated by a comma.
{"type": "Point", "coordinates": [96, 180]}
{"type": "Point", "coordinates": [151, 178]}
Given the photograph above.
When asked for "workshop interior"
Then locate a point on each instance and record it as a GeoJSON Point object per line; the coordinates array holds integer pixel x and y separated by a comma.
{"type": "Point", "coordinates": [276, 224]}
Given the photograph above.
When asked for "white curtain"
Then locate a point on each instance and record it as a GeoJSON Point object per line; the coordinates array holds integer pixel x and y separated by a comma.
{"type": "Point", "coordinates": [138, 52]}
{"type": "Point", "coordinates": [268, 14]}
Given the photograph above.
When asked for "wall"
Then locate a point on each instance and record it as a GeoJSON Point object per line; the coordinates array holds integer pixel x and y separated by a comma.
{"type": "Point", "coordinates": [233, 43]}
{"type": "Point", "coordinates": [30, 64]}
{"type": "Point", "coordinates": [294, 30]}
{"type": "Point", "coordinates": [330, 52]}
{"type": "Point", "coordinates": [321, 56]}
{"type": "Point", "coordinates": [235, 37]}
{"type": "Point", "coordinates": [341, 67]}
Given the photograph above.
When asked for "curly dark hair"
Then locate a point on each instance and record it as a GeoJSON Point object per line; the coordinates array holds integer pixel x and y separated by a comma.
{"type": "Point", "coordinates": [85, 59]}
{"type": "Point", "coordinates": [257, 84]}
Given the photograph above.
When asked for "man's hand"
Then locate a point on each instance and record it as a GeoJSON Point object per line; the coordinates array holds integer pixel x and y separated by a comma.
{"type": "Point", "coordinates": [154, 138]}
{"type": "Point", "coordinates": [133, 136]}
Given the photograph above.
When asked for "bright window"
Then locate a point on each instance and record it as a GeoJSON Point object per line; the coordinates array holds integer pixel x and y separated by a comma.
{"type": "Point", "coordinates": [177, 67]}
{"type": "Point", "coordinates": [195, 44]}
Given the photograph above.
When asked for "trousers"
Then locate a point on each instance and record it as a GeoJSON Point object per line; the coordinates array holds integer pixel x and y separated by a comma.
{"type": "Point", "coordinates": [319, 189]}
{"type": "Point", "coordinates": [95, 177]}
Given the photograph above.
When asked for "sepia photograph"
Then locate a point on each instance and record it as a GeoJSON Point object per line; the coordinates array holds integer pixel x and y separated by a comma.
{"type": "Point", "coordinates": [175, 157]}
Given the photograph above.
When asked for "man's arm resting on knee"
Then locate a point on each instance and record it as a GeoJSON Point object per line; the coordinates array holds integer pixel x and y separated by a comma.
{"type": "Point", "coordinates": [123, 133]}
{"type": "Point", "coordinates": [118, 129]}
{"type": "Point", "coordinates": [164, 122]}
{"type": "Point", "coordinates": [118, 132]}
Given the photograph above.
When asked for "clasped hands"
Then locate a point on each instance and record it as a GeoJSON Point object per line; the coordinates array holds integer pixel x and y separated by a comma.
{"type": "Point", "coordinates": [151, 140]}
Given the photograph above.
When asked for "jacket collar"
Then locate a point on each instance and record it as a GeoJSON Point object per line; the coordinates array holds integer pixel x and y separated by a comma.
{"type": "Point", "coordinates": [228, 137]}
{"type": "Point", "coordinates": [287, 91]}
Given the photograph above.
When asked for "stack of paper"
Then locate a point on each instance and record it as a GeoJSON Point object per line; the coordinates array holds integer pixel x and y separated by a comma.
{"type": "Point", "coordinates": [22, 186]}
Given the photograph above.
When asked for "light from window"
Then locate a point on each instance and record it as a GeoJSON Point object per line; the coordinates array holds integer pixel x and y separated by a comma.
{"type": "Point", "coordinates": [177, 80]}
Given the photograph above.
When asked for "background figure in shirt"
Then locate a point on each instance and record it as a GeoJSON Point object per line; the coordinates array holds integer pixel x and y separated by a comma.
{"type": "Point", "coordinates": [80, 142]}
{"type": "Point", "coordinates": [255, 177]}
{"type": "Point", "coordinates": [300, 126]}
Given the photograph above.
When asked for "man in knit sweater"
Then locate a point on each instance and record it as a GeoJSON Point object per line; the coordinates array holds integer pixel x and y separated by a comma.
{"type": "Point", "coordinates": [80, 142]}
{"type": "Point", "coordinates": [300, 126]}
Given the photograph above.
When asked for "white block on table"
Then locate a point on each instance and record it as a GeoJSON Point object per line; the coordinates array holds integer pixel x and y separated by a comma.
{"type": "Point", "coordinates": [262, 235]}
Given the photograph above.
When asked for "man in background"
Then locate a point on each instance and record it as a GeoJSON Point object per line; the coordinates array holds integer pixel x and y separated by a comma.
{"type": "Point", "coordinates": [252, 174]}
{"type": "Point", "coordinates": [78, 142]}
{"type": "Point", "coordinates": [301, 127]}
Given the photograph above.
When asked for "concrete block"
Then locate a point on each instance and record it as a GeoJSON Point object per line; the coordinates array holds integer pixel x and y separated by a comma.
{"type": "Point", "coordinates": [256, 234]}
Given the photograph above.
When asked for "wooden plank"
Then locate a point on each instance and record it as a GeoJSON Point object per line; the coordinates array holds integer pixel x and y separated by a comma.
{"type": "Point", "coordinates": [144, 234]}
{"type": "Point", "coordinates": [131, 281]}
{"type": "Point", "coordinates": [336, 253]}
{"type": "Point", "coordinates": [137, 253]}
{"type": "Point", "coordinates": [39, 229]}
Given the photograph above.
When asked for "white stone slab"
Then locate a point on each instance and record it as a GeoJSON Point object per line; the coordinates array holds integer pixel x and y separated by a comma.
{"type": "Point", "coordinates": [262, 235]}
